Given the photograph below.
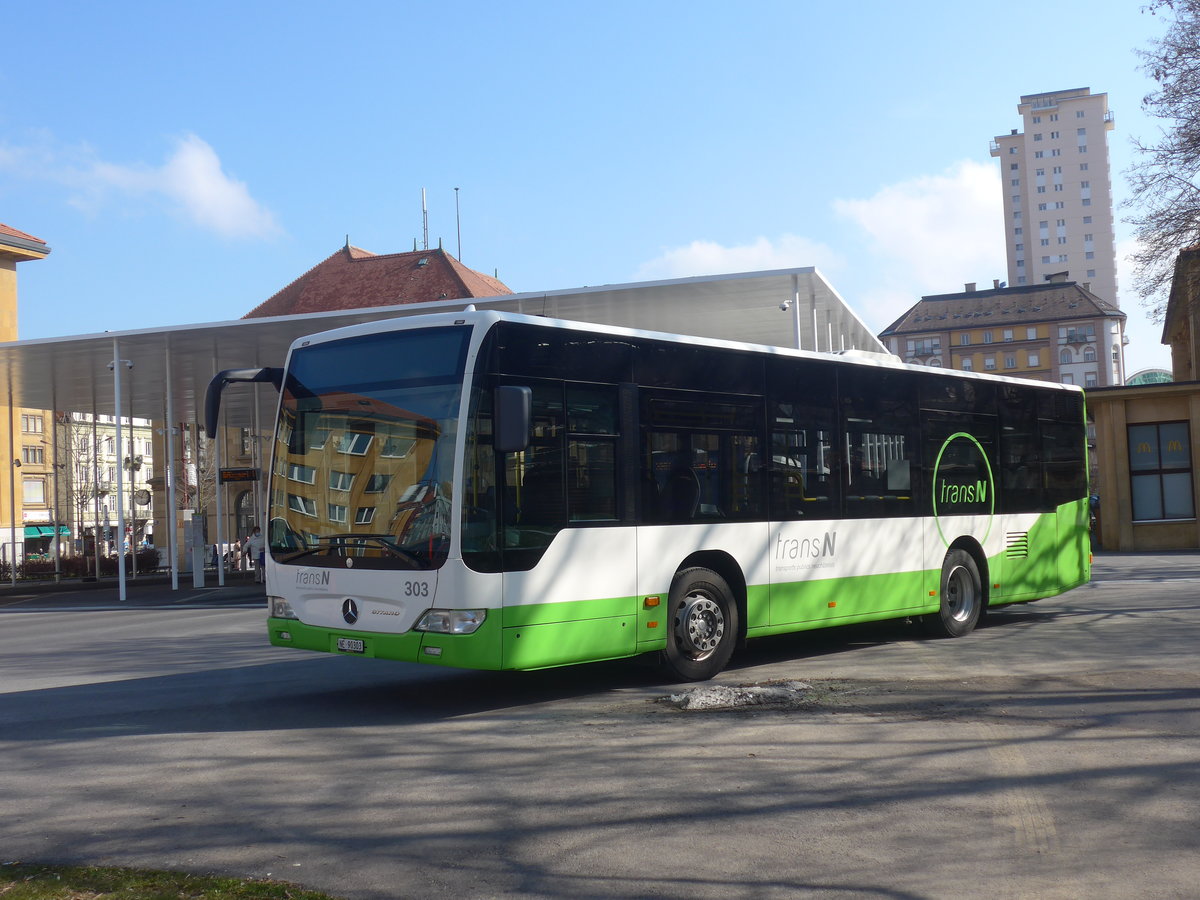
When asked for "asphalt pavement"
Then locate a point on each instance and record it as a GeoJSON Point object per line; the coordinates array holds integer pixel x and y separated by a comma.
{"type": "Point", "coordinates": [1053, 753]}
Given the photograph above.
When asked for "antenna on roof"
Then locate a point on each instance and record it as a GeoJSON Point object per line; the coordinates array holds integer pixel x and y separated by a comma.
{"type": "Point", "coordinates": [347, 242]}
{"type": "Point", "coordinates": [458, 224]}
{"type": "Point", "coordinates": [424, 221]}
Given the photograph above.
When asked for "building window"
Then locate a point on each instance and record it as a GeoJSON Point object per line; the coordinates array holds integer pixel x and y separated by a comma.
{"type": "Point", "coordinates": [989, 363]}
{"type": "Point", "coordinates": [377, 484]}
{"type": "Point", "coordinates": [33, 424]}
{"type": "Point", "coordinates": [1089, 353]}
{"type": "Point", "coordinates": [1160, 471]}
{"type": "Point", "coordinates": [1068, 379]}
{"type": "Point", "coordinates": [1010, 362]}
{"type": "Point", "coordinates": [1008, 335]}
{"type": "Point", "coordinates": [33, 454]}
{"type": "Point", "coordinates": [966, 365]}
{"type": "Point", "coordinates": [304, 505]}
{"type": "Point", "coordinates": [1065, 357]}
{"type": "Point", "coordinates": [1089, 380]}
{"type": "Point", "coordinates": [1031, 333]}
{"type": "Point", "coordinates": [35, 491]}
{"type": "Point", "coordinates": [364, 515]}
{"type": "Point", "coordinates": [987, 337]}
{"type": "Point", "coordinates": [303, 474]}
{"type": "Point", "coordinates": [337, 513]}
{"type": "Point", "coordinates": [354, 443]}
{"type": "Point", "coordinates": [965, 339]}
{"type": "Point", "coordinates": [1034, 361]}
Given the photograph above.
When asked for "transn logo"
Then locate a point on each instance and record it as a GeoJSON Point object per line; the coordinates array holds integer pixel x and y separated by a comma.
{"type": "Point", "coordinates": [963, 493]}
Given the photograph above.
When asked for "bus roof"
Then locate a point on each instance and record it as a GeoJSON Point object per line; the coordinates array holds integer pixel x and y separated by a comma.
{"type": "Point", "coordinates": [486, 318]}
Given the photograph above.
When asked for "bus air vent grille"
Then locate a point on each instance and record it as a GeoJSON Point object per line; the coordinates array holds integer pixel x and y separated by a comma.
{"type": "Point", "coordinates": [1018, 545]}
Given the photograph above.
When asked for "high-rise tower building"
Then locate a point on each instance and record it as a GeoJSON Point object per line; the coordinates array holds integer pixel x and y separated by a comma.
{"type": "Point", "coordinates": [1058, 211]}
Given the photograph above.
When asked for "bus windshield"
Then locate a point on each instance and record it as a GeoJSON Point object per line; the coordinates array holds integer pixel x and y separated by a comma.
{"type": "Point", "coordinates": [364, 451]}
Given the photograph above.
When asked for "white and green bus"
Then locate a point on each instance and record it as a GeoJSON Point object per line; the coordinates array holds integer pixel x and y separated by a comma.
{"type": "Point", "coordinates": [497, 491]}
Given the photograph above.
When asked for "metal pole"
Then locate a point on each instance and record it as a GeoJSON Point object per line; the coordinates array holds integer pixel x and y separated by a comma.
{"type": "Point", "coordinates": [219, 492]}
{"type": "Point", "coordinates": [133, 467]}
{"type": "Point", "coordinates": [57, 509]}
{"type": "Point", "coordinates": [796, 309]}
{"type": "Point", "coordinates": [13, 464]}
{"type": "Point", "coordinates": [95, 485]}
{"type": "Point", "coordinates": [172, 502]}
{"type": "Point", "coordinates": [117, 364]}
{"type": "Point", "coordinates": [458, 224]}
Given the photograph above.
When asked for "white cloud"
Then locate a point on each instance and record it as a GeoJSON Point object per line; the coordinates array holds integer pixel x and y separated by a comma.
{"type": "Point", "coordinates": [710, 258]}
{"type": "Point", "coordinates": [928, 235]}
{"type": "Point", "coordinates": [191, 181]}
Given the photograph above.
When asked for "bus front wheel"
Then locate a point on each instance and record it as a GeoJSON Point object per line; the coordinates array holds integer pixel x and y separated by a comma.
{"type": "Point", "coordinates": [703, 620]}
{"type": "Point", "coordinates": [962, 597]}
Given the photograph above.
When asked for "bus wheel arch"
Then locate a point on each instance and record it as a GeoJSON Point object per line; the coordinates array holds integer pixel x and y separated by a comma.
{"type": "Point", "coordinates": [727, 567]}
{"type": "Point", "coordinates": [963, 594]}
{"type": "Point", "coordinates": [704, 616]}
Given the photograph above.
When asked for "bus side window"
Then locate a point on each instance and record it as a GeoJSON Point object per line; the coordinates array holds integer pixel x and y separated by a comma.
{"type": "Point", "coordinates": [881, 442]}
{"type": "Point", "coordinates": [534, 478]}
{"type": "Point", "coordinates": [801, 465]}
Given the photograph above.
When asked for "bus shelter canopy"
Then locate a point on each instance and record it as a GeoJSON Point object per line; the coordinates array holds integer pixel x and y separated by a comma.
{"type": "Point", "coordinates": [788, 307]}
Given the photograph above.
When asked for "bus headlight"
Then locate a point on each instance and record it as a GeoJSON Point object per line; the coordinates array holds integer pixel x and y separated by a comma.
{"type": "Point", "coordinates": [451, 621]}
{"type": "Point", "coordinates": [280, 608]}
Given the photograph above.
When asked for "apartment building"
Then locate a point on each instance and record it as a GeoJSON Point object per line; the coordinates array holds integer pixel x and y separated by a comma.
{"type": "Point", "coordinates": [90, 457]}
{"type": "Point", "coordinates": [1058, 208]}
{"type": "Point", "coordinates": [1057, 331]}
{"type": "Point", "coordinates": [29, 517]}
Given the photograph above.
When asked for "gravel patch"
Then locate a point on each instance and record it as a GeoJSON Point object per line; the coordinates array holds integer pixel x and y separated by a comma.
{"type": "Point", "coordinates": [778, 695]}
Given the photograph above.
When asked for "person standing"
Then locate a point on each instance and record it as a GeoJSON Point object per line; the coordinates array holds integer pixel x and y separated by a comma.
{"type": "Point", "coordinates": [256, 550]}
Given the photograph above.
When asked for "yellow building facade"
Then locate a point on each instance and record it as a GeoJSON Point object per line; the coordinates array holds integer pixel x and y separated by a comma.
{"type": "Point", "coordinates": [29, 514]}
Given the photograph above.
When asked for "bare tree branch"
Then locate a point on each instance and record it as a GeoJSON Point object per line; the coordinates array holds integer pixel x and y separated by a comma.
{"type": "Point", "coordinates": [1165, 187]}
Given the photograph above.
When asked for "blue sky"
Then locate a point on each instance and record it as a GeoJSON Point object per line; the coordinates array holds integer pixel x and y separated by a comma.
{"type": "Point", "coordinates": [185, 162]}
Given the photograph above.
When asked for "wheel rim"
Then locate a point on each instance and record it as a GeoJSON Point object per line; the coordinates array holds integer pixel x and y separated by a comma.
{"type": "Point", "coordinates": [961, 596]}
{"type": "Point", "coordinates": [699, 626]}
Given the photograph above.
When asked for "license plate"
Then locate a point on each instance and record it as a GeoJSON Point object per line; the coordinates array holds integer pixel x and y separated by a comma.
{"type": "Point", "coordinates": [350, 645]}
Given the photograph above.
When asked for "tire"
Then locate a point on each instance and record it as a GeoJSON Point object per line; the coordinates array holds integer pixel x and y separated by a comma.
{"type": "Point", "coordinates": [961, 597]}
{"type": "Point", "coordinates": [703, 620]}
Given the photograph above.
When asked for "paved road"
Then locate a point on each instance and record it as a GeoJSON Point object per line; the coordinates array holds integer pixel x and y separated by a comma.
{"type": "Point", "coordinates": [1052, 754]}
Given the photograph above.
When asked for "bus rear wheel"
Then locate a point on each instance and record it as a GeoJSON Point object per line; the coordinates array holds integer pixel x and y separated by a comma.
{"type": "Point", "coordinates": [962, 597]}
{"type": "Point", "coordinates": [703, 620]}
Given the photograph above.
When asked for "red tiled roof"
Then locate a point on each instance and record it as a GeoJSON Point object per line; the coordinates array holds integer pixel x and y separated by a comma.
{"type": "Point", "coordinates": [12, 232]}
{"type": "Point", "coordinates": [353, 278]}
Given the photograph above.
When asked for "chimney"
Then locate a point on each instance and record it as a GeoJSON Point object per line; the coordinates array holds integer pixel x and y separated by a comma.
{"type": "Point", "coordinates": [995, 284]}
{"type": "Point", "coordinates": [1087, 285]}
{"type": "Point", "coordinates": [969, 287]}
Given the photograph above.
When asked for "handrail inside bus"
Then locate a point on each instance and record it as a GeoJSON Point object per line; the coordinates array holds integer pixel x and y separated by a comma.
{"type": "Point", "coordinates": [212, 399]}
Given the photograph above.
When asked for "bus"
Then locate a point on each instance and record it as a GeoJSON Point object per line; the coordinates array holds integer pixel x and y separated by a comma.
{"type": "Point", "coordinates": [499, 491]}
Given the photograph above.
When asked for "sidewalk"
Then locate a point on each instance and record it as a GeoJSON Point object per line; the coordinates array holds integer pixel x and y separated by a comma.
{"type": "Point", "coordinates": [152, 590]}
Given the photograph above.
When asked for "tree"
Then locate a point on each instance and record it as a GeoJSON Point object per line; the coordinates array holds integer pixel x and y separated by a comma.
{"type": "Point", "coordinates": [1165, 182]}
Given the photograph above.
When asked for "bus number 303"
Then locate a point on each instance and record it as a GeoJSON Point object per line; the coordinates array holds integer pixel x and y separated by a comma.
{"type": "Point", "coordinates": [416, 589]}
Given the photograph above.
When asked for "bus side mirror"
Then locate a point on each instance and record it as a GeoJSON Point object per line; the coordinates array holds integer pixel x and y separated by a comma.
{"type": "Point", "coordinates": [513, 416]}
